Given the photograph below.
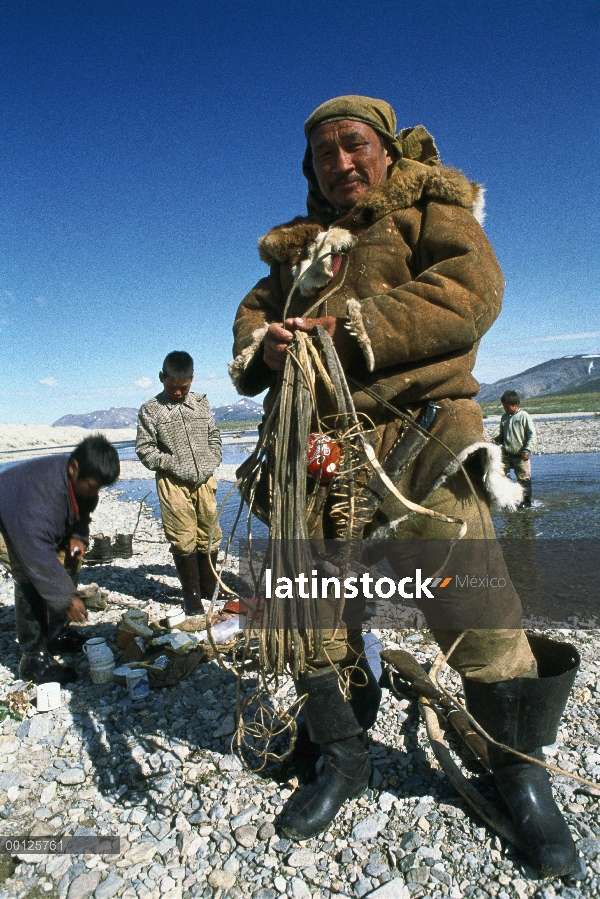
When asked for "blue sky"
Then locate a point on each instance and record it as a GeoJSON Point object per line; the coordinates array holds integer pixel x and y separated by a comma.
{"type": "Point", "coordinates": [146, 146]}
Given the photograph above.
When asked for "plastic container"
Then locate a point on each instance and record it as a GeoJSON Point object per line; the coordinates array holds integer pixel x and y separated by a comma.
{"type": "Point", "coordinates": [101, 660]}
{"type": "Point", "coordinates": [175, 617]}
{"type": "Point", "coordinates": [48, 697]}
{"type": "Point", "coordinates": [226, 630]}
{"type": "Point", "coordinates": [138, 685]}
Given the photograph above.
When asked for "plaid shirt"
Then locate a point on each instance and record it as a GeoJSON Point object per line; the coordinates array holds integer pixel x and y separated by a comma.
{"type": "Point", "coordinates": [181, 439]}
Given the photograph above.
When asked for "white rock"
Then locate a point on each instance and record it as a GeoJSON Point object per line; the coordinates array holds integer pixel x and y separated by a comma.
{"type": "Point", "coordinates": [386, 801]}
{"type": "Point", "coordinates": [142, 852]}
{"type": "Point", "coordinates": [369, 827]}
{"type": "Point", "coordinates": [48, 793]}
{"type": "Point", "coordinates": [302, 858]}
{"type": "Point", "coordinates": [300, 889]}
{"type": "Point", "coordinates": [393, 889]}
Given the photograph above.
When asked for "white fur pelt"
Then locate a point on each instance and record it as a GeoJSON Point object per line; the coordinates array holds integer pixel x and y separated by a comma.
{"type": "Point", "coordinates": [356, 326]}
{"type": "Point", "coordinates": [315, 270]}
{"type": "Point", "coordinates": [239, 365]}
{"type": "Point", "coordinates": [501, 490]}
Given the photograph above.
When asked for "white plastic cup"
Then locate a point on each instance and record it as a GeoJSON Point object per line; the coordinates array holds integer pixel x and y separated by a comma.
{"type": "Point", "coordinates": [138, 685]}
{"type": "Point", "coordinates": [48, 697]}
{"type": "Point", "coordinates": [175, 617]}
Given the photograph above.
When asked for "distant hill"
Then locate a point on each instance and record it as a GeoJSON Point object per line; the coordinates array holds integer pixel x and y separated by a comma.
{"type": "Point", "coordinates": [565, 376]}
{"type": "Point", "coordinates": [104, 418]}
{"type": "Point", "coordinates": [243, 410]}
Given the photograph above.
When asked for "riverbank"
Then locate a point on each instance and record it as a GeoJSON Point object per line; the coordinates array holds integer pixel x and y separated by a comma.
{"type": "Point", "coordinates": [559, 435]}
{"type": "Point", "coordinates": [192, 822]}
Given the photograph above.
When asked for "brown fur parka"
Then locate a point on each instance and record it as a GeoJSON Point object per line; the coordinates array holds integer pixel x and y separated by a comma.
{"type": "Point", "coordinates": [421, 287]}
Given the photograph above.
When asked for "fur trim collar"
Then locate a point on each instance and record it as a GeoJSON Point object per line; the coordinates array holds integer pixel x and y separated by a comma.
{"type": "Point", "coordinates": [409, 183]}
{"type": "Point", "coordinates": [241, 362]}
{"type": "Point", "coordinates": [501, 490]}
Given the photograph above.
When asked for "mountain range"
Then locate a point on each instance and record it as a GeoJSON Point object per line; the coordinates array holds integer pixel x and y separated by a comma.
{"type": "Point", "coordinates": [557, 377]}
{"type": "Point", "coordinates": [124, 417]}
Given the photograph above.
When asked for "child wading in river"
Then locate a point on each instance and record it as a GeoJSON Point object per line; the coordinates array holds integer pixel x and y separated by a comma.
{"type": "Point", "coordinates": [517, 438]}
{"type": "Point", "coordinates": [179, 440]}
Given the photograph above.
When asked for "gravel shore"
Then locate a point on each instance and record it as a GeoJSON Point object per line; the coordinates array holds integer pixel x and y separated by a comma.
{"type": "Point", "coordinates": [192, 822]}
{"type": "Point", "coordinates": [577, 435]}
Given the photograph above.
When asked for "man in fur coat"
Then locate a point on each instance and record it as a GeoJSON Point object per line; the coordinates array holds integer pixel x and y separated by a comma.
{"type": "Point", "coordinates": [395, 266]}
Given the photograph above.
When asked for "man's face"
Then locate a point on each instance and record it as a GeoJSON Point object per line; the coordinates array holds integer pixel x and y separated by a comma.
{"type": "Point", "coordinates": [83, 488]}
{"type": "Point", "coordinates": [348, 160]}
{"type": "Point", "coordinates": [176, 388]}
{"type": "Point", "coordinates": [511, 408]}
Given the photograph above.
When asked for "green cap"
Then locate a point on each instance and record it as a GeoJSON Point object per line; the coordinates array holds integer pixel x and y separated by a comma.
{"type": "Point", "coordinates": [376, 113]}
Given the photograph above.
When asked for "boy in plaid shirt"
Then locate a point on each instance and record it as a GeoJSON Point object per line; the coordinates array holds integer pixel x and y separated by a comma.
{"type": "Point", "coordinates": [179, 440]}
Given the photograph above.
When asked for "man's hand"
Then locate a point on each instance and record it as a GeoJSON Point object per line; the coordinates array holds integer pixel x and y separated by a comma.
{"type": "Point", "coordinates": [76, 610]}
{"type": "Point", "coordinates": [276, 342]}
{"type": "Point", "coordinates": [278, 338]}
{"type": "Point", "coordinates": [77, 548]}
{"type": "Point", "coordinates": [525, 457]}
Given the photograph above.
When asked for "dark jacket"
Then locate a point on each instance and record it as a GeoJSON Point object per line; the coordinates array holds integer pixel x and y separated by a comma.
{"type": "Point", "coordinates": [37, 516]}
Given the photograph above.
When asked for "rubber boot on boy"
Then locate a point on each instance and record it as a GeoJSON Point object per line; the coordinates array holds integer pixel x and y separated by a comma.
{"type": "Point", "coordinates": [339, 727]}
{"type": "Point", "coordinates": [188, 573]}
{"type": "Point", "coordinates": [31, 618]}
{"type": "Point", "coordinates": [207, 565]}
{"type": "Point", "coordinates": [526, 501]}
{"type": "Point", "coordinates": [524, 714]}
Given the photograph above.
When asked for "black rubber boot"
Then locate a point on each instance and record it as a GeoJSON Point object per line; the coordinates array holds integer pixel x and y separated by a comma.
{"type": "Point", "coordinates": [527, 491]}
{"type": "Point", "coordinates": [365, 693]}
{"type": "Point", "coordinates": [346, 768]}
{"type": "Point", "coordinates": [187, 570]}
{"type": "Point", "coordinates": [101, 552]}
{"type": "Point", "coordinates": [208, 579]}
{"type": "Point", "coordinates": [31, 617]}
{"type": "Point", "coordinates": [524, 714]}
{"type": "Point", "coordinates": [305, 755]}
{"type": "Point", "coordinates": [122, 546]}
{"type": "Point", "coordinates": [365, 699]}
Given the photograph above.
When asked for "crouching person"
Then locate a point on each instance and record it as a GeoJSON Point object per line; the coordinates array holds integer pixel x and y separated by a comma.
{"type": "Point", "coordinates": [45, 509]}
{"type": "Point", "coordinates": [178, 439]}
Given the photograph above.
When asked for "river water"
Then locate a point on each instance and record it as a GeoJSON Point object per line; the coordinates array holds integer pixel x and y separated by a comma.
{"type": "Point", "coordinates": [566, 497]}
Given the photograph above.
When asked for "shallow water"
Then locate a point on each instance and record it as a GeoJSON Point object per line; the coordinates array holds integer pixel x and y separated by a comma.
{"type": "Point", "coordinates": [566, 500]}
